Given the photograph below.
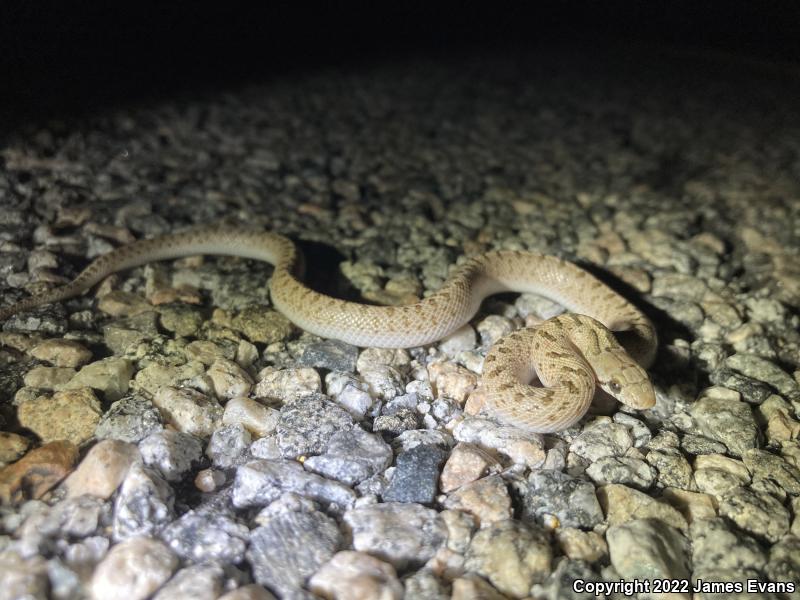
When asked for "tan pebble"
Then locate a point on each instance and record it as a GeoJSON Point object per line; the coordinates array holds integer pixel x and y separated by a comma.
{"type": "Point", "coordinates": [23, 578]}
{"type": "Point", "coordinates": [466, 463]}
{"type": "Point", "coordinates": [133, 570]}
{"type": "Point", "coordinates": [188, 411]}
{"type": "Point", "coordinates": [693, 505]}
{"type": "Point", "coordinates": [229, 379]}
{"type": "Point", "coordinates": [208, 480]}
{"type": "Point", "coordinates": [62, 353]}
{"type": "Point", "coordinates": [69, 415]}
{"type": "Point", "coordinates": [451, 381]}
{"type": "Point", "coordinates": [286, 384]}
{"type": "Point", "coordinates": [258, 419]}
{"type": "Point", "coordinates": [622, 504]}
{"type": "Point", "coordinates": [12, 446]}
{"type": "Point", "coordinates": [182, 293]}
{"type": "Point", "coordinates": [581, 545]}
{"type": "Point", "coordinates": [37, 472]}
{"type": "Point", "coordinates": [48, 378]}
{"type": "Point", "coordinates": [103, 469]}
{"type": "Point", "coordinates": [352, 575]}
{"type": "Point", "coordinates": [110, 376]}
{"type": "Point", "coordinates": [248, 592]}
{"type": "Point", "coordinates": [123, 304]}
{"type": "Point", "coordinates": [19, 341]}
{"type": "Point", "coordinates": [486, 499]}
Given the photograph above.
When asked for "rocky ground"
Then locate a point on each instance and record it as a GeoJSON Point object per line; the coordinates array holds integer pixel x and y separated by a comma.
{"type": "Point", "coordinates": [172, 435]}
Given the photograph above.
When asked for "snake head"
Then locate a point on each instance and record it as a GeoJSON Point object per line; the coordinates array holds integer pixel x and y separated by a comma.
{"type": "Point", "coordinates": [631, 386]}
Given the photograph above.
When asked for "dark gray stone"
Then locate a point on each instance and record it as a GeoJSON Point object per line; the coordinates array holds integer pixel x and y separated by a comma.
{"type": "Point", "coordinates": [352, 456]}
{"type": "Point", "coordinates": [330, 354]}
{"type": "Point", "coordinates": [416, 475]}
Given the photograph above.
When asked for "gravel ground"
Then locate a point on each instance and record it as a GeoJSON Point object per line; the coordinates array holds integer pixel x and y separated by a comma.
{"type": "Point", "coordinates": [171, 435]}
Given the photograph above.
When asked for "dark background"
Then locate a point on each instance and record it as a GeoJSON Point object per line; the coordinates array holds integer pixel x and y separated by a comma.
{"type": "Point", "coordinates": [61, 57]}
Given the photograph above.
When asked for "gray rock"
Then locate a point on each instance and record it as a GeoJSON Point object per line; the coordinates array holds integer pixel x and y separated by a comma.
{"type": "Point", "coordinates": [229, 446]}
{"type": "Point", "coordinates": [784, 561]}
{"type": "Point", "coordinates": [559, 583]}
{"type": "Point", "coordinates": [755, 512]}
{"type": "Point", "coordinates": [207, 536]}
{"type": "Point", "coordinates": [629, 471]}
{"type": "Point", "coordinates": [424, 585]}
{"type": "Point", "coordinates": [765, 466]}
{"type": "Point", "coordinates": [571, 499]}
{"type": "Point", "coordinates": [752, 390]}
{"type": "Point", "coordinates": [416, 475]}
{"type": "Point", "coordinates": [718, 545]}
{"type": "Point", "coordinates": [647, 549]}
{"type": "Point", "coordinates": [698, 444]}
{"type": "Point", "coordinates": [727, 421]}
{"type": "Point", "coordinates": [130, 419]}
{"type": "Point", "coordinates": [306, 425]}
{"type": "Point", "coordinates": [602, 439]}
{"type": "Point", "coordinates": [404, 419]}
{"type": "Point", "coordinates": [260, 482]}
{"type": "Point", "coordinates": [196, 582]}
{"type": "Point", "coordinates": [405, 535]}
{"type": "Point", "coordinates": [144, 504]}
{"type": "Point", "coordinates": [330, 354]}
{"type": "Point", "coordinates": [290, 548]}
{"type": "Point", "coordinates": [673, 468]}
{"type": "Point", "coordinates": [763, 370]}
{"type": "Point", "coordinates": [171, 453]}
{"type": "Point", "coordinates": [352, 456]}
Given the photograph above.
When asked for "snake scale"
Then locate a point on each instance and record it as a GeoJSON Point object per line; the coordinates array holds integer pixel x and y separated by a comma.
{"type": "Point", "coordinates": [571, 354]}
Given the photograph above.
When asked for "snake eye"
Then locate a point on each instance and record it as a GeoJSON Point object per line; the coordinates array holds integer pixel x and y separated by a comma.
{"type": "Point", "coordinates": [614, 386]}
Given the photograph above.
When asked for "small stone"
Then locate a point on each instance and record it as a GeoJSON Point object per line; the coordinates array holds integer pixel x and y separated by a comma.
{"type": "Point", "coordinates": [209, 480]}
{"type": "Point", "coordinates": [330, 354]}
{"type": "Point", "coordinates": [765, 466]}
{"type": "Point", "coordinates": [716, 544]}
{"type": "Point", "coordinates": [102, 470]}
{"type": "Point", "coordinates": [692, 505]}
{"type": "Point", "coordinates": [188, 411]}
{"type": "Point", "coordinates": [261, 324]}
{"type": "Point", "coordinates": [459, 341]}
{"type": "Point", "coordinates": [207, 351]}
{"type": "Point", "coordinates": [727, 421]}
{"type": "Point", "coordinates": [197, 582]}
{"type": "Point", "coordinates": [129, 419]}
{"type": "Point", "coordinates": [452, 381]}
{"type": "Point", "coordinates": [69, 415]}
{"type": "Point", "coordinates": [755, 512]}
{"type": "Point", "coordinates": [698, 444]}
{"type": "Point", "coordinates": [288, 385]}
{"type": "Point", "coordinates": [352, 456]}
{"type": "Point", "coordinates": [291, 547]}
{"type": "Point", "coordinates": [466, 463]}
{"type": "Point", "coordinates": [123, 304]}
{"type": "Point", "coordinates": [511, 555]}
{"type": "Point", "coordinates": [133, 569]}
{"type": "Point", "coordinates": [37, 472]}
{"type": "Point", "coordinates": [404, 419]}
{"type": "Point", "coordinates": [673, 468]}
{"type": "Point", "coordinates": [416, 475]}
{"type": "Point", "coordinates": [519, 446]}
{"type": "Point", "coordinates": [260, 482]}
{"type": "Point", "coordinates": [633, 472]}
{"type": "Point", "coordinates": [229, 446]}
{"type": "Point", "coordinates": [62, 353]}
{"type": "Point", "coordinates": [49, 378]}
{"type": "Point", "coordinates": [306, 425]}
{"type": "Point", "coordinates": [229, 379]}
{"type": "Point", "coordinates": [23, 578]}
{"type": "Point", "coordinates": [171, 453]}
{"type": "Point", "coordinates": [12, 446]}
{"type": "Point", "coordinates": [181, 319]}
{"type": "Point", "coordinates": [784, 561]}
{"type": "Point", "coordinates": [588, 546]}
{"type": "Point", "coordinates": [144, 503]}
{"type": "Point", "coordinates": [486, 499]}
{"type": "Point", "coordinates": [405, 535]}
{"type": "Point", "coordinates": [570, 499]}
{"type": "Point", "coordinates": [623, 504]}
{"type": "Point", "coordinates": [472, 587]}
{"type": "Point", "coordinates": [109, 376]}
{"type": "Point", "coordinates": [207, 537]}
{"type": "Point", "coordinates": [647, 548]}
{"type": "Point", "coordinates": [351, 574]}
{"type": "Point", "coordinates": [761, 369]}
{"type": "Point", "coordinates": [602, 438]}
{"type": "Point", "coordinates": [258, 419]}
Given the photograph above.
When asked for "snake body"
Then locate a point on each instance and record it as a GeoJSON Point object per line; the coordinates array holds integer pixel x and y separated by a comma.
{"type": "Point", "coordinates": [571, 354]}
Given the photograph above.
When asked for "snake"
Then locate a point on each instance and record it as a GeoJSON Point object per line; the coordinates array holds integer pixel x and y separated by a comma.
{"type": "Point", "coordinates": [603, 340]}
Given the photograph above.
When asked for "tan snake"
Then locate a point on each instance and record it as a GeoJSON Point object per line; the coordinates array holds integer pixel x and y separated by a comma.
{"type": "Point", "coordinates": [570, 354]}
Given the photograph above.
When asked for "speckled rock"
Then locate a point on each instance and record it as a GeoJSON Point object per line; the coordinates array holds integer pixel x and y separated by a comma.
{"type": "Point", "coordinates": [351, 574]}
{"type": "Point", "coordinates": [519, 446]}
{"type": "Point", "coordinates": [189, 411]}
{"type": "Point", "coordinates": [171, 453]}
{"type": "Point", "coordinates": [206, 536]}
{"type": "Point", "coordinates": [12, 447]}
{"type": "Point", "coordinates": [69, 415]}
{"type": "Point", "coordinates": [49, 378]}
{"type": "Point", "coordinates": [587, 546]}
{"type": "Point", "coordinates": [716, 544]}
{"type": "Point", "coordinates": [511, 555]}
{"type": "Point", "coordinates": [229, 379]}
{"type": "Point", "coordinates": [404, 535]}
{"type": "Point", "coordinates": [602, 438]}
{"type": "Point", "coordinates": [622, 504]}
{"type": "Point", "coordinates": [143, 505]}
{"type": "Point", "coordinates": [630, 471]}
{"type": "Point", "coordinates": [197, 582]}
{"type": "Point", "coordinates": [765, 466]}
{"type": "Point", "coordinates": [129, 419]}
{"type": "Point", "coordinates": [351, 456]}
{"type": "Point", "coordinates": [486, 499]}
{"type": "Point", "coordinates": [416, 475]}
{"type": "Point", "coordinates": [726, 419]}
{"type": "Point", "coordinates": [306, 425]}
{"type": "Point", "coordinates": [466, 463]}
{"type": "Point", "coordinates": [329, 354]}
{"type": "Point", "coordinates": [288, 384]}
{"type": "Point", "coordinates": [229, 446]}
{"type": "Point", "coordinates": [755, 512]}
{"type": "Point", "coordinates": [570, 500]}
{"type": "Point", "coordinates": [261, 324]}
{"type": "Point", "coordinates": [291, 547]}
{"type": "Point", "coordinates": [23, 577]}
{"type": "Point", "coordinates": [109, 376]}
{"type": "Point", "coordinates": [133, 569]}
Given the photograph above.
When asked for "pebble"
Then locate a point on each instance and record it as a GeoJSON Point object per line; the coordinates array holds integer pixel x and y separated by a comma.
{"type": "Point", "coordinates": [102, 470]}
{"type": "Point", "coordinates": [349, 393]}
{"type": "Point", "coordinates": [351, 574]}
{"type": "Point", "coordinates": [129, 419]}
{"type": "Point", "coordinates": [329, 354]}
{"type": "Point", "coordinates": [205, 536]}
{"type": "Point", "coordinates": [602, 438]}
{"type": "Point", "coordinates": [229, 446]}
{"type": "Point", "coordinates": [465, 464]}
{"type": "Point", "coordinates": [623, 504]}
{"type": "Point", "coordinates": [171, 453]}
{"type": "Point", "coordinates": [452, 381]}
{"type": "Point", "coordinates": [258, 419]}
{"type": "Point", "coordinates": [288, 385]}
{"type": "Point", "coordinates": [726, 419]}
{"type": "Point", "coordinates": [404, 535]}
{"type": "Point", "coordinates": [109, 376]}
{"type": "Point", "coordinates": [571, 500]}
{"type": "Point", "coordinates": [486, 499]}
{"type": "Point", "coordinates": [755, 512]}
{"type": "Point", "coordinates": [416, 475]}
{"type": "Point", "coordinates": [517, 445]}
{"type": "Point", "coordinates": [23, 577]}
{"type": "Point", "coordinates": [587, 546]}
{"type": "Point", "coordinates": [290, 548]}
{"type": "Point", "coordinates": [61, 353]}
{"type": "Point", "coordinates": [69, 415]}
{"type": "Point", "coordinates": [248, 592]}
{"type": "Point", "coordinates": [12, 447]}
{"type": "Point", "coordinates": [716, 544]}
{"type": "Point", "coordinates": [261, 324]}
{"type": "Point", "coordinates": [472, 587]}
{"type": "Point", "coordinates": [229, 379]}
{"type": "Point", "coordinates": [143, 505]}
{"type": "Point", "coordinates": [260, 482]}
{"type": "Point", "coordinates": [461, 340]}
{"type": "Point", "coordinates": [306, 425]}
{"type": "Point", "coordinates": [133, 569]}
{"type": "Point", "coordinates": [511, 555]}
{"type": "Point", "coordinates": [633, 472]}
{"type": "Point", "coordinates": [648, 548]}
{"type": "Point", "coordinates": [197, 582]}
{"type": "Point", "coordinates": [49, 378]}
{"type": "Point", "coordinates": [351, 456]}
{"type": "Point", "coordinates": [37, 472]}
{"type": "Point", "coordinates": [672, 467]}
{"type": "Point", "coordinates": [692, 505]}
{"type": "Point", "coordinates": [189, 411]}
{"type": "Point", "coordinates": [715, 474]}
{"type": "Point", "coordinates": [763, 370]}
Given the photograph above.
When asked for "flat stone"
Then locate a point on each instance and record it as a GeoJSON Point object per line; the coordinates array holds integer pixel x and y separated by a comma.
{"type": "Point", "coordinates": [727, 421]}
{"type": "Point", "coordinates": [486, 499]}
{"type": "Point", "coordinates": [229, 379]}
{"type": "Point", "coordinates": [519, 446]}
{"type": "Point", "coordinates": [69, 415]}
{"type": "Point", "coordinates": [416, 475]}
{"type": "Point", "coordinates": [258, 419]}
{"type": "Point", "coordinates": [144, 504]}
{"type": "Point", "coordinates": [207, 537]}
{"type": "Point", "coordinates": [352, 456]}
{"type": "Point", "coordinates": [306, 425]}
{"type": "Point", "coordinates": [109, 376]}
{"type": "Point", "coordinates": [171, 453]}
{"type": "Point", "coordinates": [351, 574]}
{"type": "Point", "coordinates": [466, 463]}
{"type": "Point", "coordinates": [129, 419]}
{"type": "Point", "coordinates": [62, 353]}
{"type": "Point", "coordinates": [102, 470]}
{"type": "Point", "coordinates": [329, 354]}
{"type": "Point", "coordinates": [647, 548]}
{"type": "Point", "coordinates": [554, 494]}
{"type": "Point", "coordinates": [133, 569]}
{"type": "Point", "coordinates": [755, 512]}
{"type": "Point", "coordinates": [622, 504]}
{"type": "Point", "coordinates": [189, 411]}
{"type": "Point", "coordinates": [37, 472]}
